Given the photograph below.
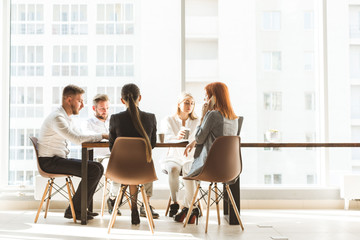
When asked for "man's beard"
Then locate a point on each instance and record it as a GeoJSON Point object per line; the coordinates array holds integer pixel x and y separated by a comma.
{"type": "Point", "coordinates": [101, 117]}
{"type": "Point", "coordinates": [74, 110]}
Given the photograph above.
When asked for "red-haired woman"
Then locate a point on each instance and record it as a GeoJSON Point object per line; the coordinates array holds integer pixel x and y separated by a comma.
{"type": "Point", "coordinates": [218, 119]}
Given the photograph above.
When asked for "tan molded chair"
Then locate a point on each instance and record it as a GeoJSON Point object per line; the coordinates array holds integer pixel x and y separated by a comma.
{"type": "Point", "coordinates": [223, 164]}
{"type": "Point", "coordinates": [51, 184]}
{"type": "Point", "coordinates": [128, 166]}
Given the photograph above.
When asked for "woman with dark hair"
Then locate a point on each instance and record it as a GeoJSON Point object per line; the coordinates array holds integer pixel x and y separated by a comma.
{"type": "Point", "coordinates": [218, 119]}
{"type": "Point", "coordinates": [134, 123]}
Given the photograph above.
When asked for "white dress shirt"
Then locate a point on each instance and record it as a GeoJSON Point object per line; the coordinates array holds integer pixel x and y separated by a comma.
{"type": "Point", "coordinates": [95, 125]}
{"type": "Point", "coordinates": [55, 132]}
{"type": "Point", "coordinates": [171, 125]}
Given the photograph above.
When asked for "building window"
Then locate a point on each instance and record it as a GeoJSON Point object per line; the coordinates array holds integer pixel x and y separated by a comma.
{"type": "Point", "coordinates": [310, 137]}
{"type": "Point", "coordinates": [27, 102]}
{"type": "Point", "coordinates": [115, 61]}
{"type": "Point", "coordinates": [309, 101]}
{"type": "Point", "coordinates": [267, 179]}
{"type": "Point", "coordinates": [271, 20]}
{"type": "Point", "coordinates": [310, 179]}
{"type": "Point", "coordinates": [70, 61]}
{"type": "Point", "coordinates": [308, 20]}
{"type": "Point", "coordinates": [308, 61]}
{"type": "Point", "coordinates": [115, 19]}
{"type": "Point", "coordinates": [272, 179]}
{"type": "Point", "coordinates": [27, 61]}
{"type": "Point", "coordinates": [273, 101]}
{"type": "Point", "coordinates": [27, 19]}
{"type": "Point", "coordinates": [69, 19]}
{"type": "Point", "coordinates": [272, 61]}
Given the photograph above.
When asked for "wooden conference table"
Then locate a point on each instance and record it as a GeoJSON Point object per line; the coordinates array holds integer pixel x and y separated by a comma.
{"type": "Point", "coordinates": [87, 154]}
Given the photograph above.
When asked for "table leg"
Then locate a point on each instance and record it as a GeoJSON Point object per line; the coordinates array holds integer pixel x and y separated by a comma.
{"type": "Point", "coordinates": [229, 213]}
{"type": "Point", "coordinates": [84, 183]}
{"type": "Point", "coordinates": [91, 158]}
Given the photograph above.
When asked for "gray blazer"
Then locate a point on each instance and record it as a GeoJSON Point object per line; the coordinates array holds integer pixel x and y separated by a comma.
{"type": "Point", "coordinates": [214, 125]}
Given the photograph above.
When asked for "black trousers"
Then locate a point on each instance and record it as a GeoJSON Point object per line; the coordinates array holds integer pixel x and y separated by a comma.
{"type": "Point", "coordinates": [72, 166]}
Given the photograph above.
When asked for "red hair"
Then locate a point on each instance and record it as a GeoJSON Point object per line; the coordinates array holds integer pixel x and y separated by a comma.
{"type": "Point", "coordinates": [221, 93]}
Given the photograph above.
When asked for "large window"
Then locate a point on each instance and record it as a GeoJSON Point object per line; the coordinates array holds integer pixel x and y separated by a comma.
{"type": "Point", "coordinates": [270, 55]}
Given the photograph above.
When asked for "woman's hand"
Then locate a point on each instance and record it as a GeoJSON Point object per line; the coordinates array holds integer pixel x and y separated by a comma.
{"type": "Point", "coordinates": [105, 136]}
{"type": "Point", "coordinates": [189, 147]}
{"type": "Point", "coordinates": [180, 134]}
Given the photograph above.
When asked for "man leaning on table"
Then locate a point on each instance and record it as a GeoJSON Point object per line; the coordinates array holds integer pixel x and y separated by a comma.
{"type": "Point", "coordinates": [55, 133]}
{"type": "Point", "coordinates": [99, 123]}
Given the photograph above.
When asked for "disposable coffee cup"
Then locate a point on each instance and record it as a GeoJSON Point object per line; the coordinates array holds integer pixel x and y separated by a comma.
{"type": "Point", "coordinates": [161, 137]}
{"type": "Point", "coordinates": [187, 133]}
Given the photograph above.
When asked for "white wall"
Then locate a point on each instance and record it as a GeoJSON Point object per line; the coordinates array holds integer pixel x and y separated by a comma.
{"type": "Point", "coordinates": [338, 88]}
{"type": "Point", "coordinates": [4, 85]}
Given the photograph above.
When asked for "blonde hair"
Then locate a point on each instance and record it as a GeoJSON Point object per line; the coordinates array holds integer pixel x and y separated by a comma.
{"type": "Point", "coordinates": [100, 97]}
{"type": "Point", "coordinates": [181, 99]}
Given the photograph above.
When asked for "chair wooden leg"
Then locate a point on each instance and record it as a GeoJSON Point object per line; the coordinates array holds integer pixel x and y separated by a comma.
{"type": "Point", "coordinates": [104, 196]}
{"type": "Point", "coordinates": [234, 206]}
{"type": "Point", "coordinates": [208, 208]}
{"type": "Point", "coordinates": [200, 207]}
{"type": "Point", "coordinates": [70, 200]}
{"type": "Point", "coordinates": [191, 205]}
{"type": "Point", "coordinates": [49, 197]}
{"type": "Point", "coordinates": [147, 209]}
{"type": "Point", "coordinates": [168, 206]}
{"type": "Point", "coordinates": [217, 203]}
{"type": "Point", "coordinates": [72, 186]}
{"type": "Point", "coordinates": [114, 212]}
{"type": "Point", "coordinates": [42, 201]}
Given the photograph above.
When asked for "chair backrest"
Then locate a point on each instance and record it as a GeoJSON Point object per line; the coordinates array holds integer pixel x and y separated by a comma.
{"type": "Point", "coordinates": [34, 141]}
{"type": "Point", "coordinates": [240, 122]}
{"type": "Point", "coordinates": [127, 164]}
{"type": "Point", "coordinates": [223, 163]}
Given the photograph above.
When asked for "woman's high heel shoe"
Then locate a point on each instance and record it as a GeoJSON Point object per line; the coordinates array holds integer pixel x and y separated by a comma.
{"type": "Point", "coordinates": [182, 215]}
{"type": "Point", "coordinates": [135, 219]}
{"type": "Point", "coordinates": [194, 216]}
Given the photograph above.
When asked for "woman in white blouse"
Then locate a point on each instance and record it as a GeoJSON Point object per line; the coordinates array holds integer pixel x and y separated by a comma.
{"type": "Point", "coordinates": [176, 162]}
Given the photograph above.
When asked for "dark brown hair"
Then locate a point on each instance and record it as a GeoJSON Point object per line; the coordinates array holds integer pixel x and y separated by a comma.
{"type": "Point", "coordinates": [71, 90]}
{"type": "Point", "coordinates": [130, 93]}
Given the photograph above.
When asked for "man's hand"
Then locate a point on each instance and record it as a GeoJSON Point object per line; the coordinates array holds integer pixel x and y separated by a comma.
{"type": "Point", "coordinates": [189, 147]}
{"type": "Point", "coordinates": [105, 136]}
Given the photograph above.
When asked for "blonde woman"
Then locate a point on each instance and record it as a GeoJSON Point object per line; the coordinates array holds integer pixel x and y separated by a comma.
{"type": "Point", "coordinates": [176, 162]}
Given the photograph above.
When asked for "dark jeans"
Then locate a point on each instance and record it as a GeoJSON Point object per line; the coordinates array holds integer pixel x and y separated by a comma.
{"type": "Point", "coordinates": [72, 166]}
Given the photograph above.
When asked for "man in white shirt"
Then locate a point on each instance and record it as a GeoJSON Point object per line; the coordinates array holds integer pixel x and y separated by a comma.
{"type": "Point", "coordinates": [56, 130]}
{"type": "Point", "coordinates": [99, 123]}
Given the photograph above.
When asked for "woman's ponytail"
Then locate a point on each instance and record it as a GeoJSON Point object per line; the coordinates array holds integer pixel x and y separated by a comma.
{"type": "Point", "coordinates": [130, 92]}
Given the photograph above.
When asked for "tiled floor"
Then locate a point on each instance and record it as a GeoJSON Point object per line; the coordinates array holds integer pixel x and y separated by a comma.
{"type": "Point", "coordinates": [259, 224]}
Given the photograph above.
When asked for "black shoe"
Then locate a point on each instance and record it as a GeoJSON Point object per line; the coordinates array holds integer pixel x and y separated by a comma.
{"type": "Point", "coordinates": [135, 217]}
{"type": "Point", "coordinates": [110, 204]}
{"type": "Point", "coordinates": [174, 208]}
{"type": "Point", "coordinates": [194, 216]}
{"type": "Point", "coordinates": [182, 215]}
{"type": "Point", "coordinates": [155, 215]}
{"type": "Point", "coordinates": [77, 215]}
{"type": "Point", "coordinates": [93, 214]}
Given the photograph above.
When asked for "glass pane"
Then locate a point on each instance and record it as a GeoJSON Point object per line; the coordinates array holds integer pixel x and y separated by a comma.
{"type": "Point", "coordinates": [39, 12]}
{"type": "Point", "coordinates": [30, 95]}
{"type": "Point", "coordinates": [129, 12]}
{"type": "Point", "coordinates": [100, 12]}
